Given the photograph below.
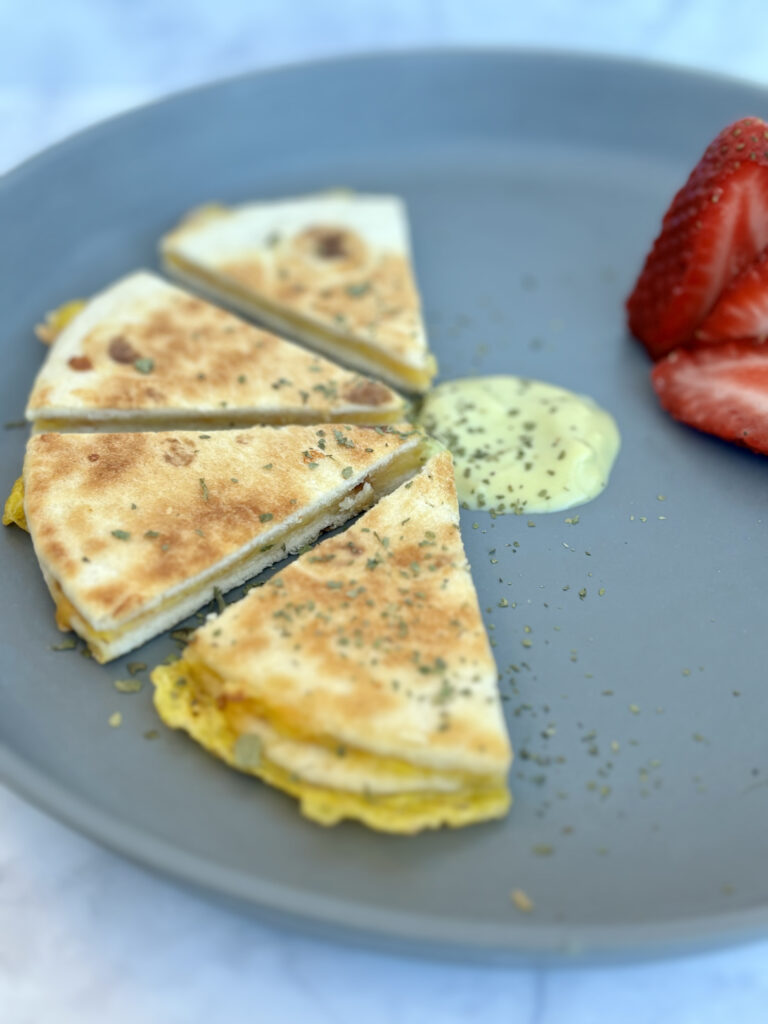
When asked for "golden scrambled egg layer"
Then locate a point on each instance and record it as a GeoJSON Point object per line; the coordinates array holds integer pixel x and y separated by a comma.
{"type": "Point", "coordinates": [14, 506]}
{"type": "Point", "coordinates": [183, 705]}
{"type": "Point", "coordinates": [57, 320]}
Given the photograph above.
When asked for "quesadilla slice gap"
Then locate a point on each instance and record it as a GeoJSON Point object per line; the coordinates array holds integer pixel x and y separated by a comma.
{"type": "Point", "coordinates": [144, 354]}
{"type": "Point", "coordinates": [333, 270]}
{"type": "Point", "coordinates": [360, 678]}
{"type": "Point", "coordinates": [134, 532]}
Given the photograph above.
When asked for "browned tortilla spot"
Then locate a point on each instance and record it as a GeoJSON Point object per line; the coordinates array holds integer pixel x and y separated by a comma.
{"type": "Point", "coordinates": [80, 363]}
{"type": "Point", "coordinates": [181, 452]}
{"type": "Point", "coordinates": [330, 246]}
{"type": "Point", "coordinates": [366, 392]}
{"type": "Point", "coordinates": [304, 254]}
{"type": "Point", "coordinates": [122, 351]}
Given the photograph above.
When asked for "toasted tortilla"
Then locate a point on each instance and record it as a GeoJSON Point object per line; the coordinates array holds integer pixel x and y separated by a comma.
{"type": "Point", "coordinates": [144, 354]}
{"type": "Point", "coordinates": [333, 270]}
{"type": "Point", "coordinates": [360, 678]}
{"type": "Point", "coordinates": [134, 532]}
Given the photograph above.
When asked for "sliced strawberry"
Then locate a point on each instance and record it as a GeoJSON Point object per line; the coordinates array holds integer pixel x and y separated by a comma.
{"type": "Point", "coordinates": [715, 227]}
{"type": "Point", "coordinates": [721, 389]}
{"type": "Point", "coordinates": [742, 309]}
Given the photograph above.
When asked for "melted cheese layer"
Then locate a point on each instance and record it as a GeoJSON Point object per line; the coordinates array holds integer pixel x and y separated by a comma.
{"type": "Point", "coordinates": [118, 420]}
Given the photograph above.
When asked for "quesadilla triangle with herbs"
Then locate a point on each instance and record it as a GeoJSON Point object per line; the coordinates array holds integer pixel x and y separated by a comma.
{"type": "Point", "coordinates": [134, 532]}
{"type": "Point", "coordinates": [360, 678]}
{"type": "Point", "coordinates": [333, 270]}
{"type": "Point", "coordinates": [144, 355]}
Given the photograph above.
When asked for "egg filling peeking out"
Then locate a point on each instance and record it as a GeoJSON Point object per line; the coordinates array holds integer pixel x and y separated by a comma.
{"type": "Point", "coordinates": [57, 320]}
{"type": "Point", "coordinates": [14, 506]}
{"type": "Point", "coordinates": [340, 782]}
{"type": "Point", "coordinates": [359, 679]}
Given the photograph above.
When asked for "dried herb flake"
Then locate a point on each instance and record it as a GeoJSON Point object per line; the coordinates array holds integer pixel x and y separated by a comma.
{"type": "Point", "coordinates": [247, 752]}
{"type": "Point", "coordinates": [128, 685]}
{"type": "Point", "coordinates": [69, 643]}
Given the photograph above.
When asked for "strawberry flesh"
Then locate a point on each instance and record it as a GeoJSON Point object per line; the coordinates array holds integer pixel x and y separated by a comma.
{"type": "Point", "coordinates": [742, 309]}
{"type": "Point", "coordinates": [720, 389]}
{"type": "Point", "coordinates": [716, 226]}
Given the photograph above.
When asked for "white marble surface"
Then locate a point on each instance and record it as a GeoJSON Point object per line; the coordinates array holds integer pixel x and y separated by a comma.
{"type": "Point", "coordinates": [87, 938]}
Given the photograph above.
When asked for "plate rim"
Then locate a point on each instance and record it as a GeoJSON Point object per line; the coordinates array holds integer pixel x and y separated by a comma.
{"type": "Point", "coordinates": [388, 932]}
{"type": "Point", "coordinates": [575, 55]}
{"type": "Point", "coordinates": [514, 942]}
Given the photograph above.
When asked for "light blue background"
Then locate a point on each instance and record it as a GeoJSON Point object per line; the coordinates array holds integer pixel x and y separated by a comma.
{"type": "Point", "coordinates": [87, 938]}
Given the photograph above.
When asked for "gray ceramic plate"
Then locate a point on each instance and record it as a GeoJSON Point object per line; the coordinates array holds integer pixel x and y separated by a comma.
{"type": "Point", "coordinates": [637, 701]}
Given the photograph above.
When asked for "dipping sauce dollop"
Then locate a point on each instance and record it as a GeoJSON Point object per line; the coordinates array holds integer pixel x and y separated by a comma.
{"type": "Point", "coordinates": [521, 445]}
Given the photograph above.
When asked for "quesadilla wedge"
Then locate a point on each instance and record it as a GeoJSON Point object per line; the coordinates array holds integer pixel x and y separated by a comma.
{"type": "Point", "coordinates": [145, 355]}
{"type": "Point", "coordinates": [360, 678]}
{"type": "Point", "coordinates": [333, 270]}
{"type": "Point", "coordinates": [134, 532]}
